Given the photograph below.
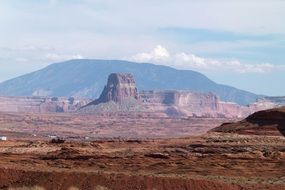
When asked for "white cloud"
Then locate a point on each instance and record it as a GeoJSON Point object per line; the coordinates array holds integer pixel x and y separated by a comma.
{"type": "Point", "coordinates": [182, 60]}
{"type": "Point", "coordinates": [159, 53]}
{"type": "Point", "coordinates": [61, 57]}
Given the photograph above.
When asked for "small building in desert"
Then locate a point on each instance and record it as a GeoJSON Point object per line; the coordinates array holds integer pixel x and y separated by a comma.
{"type": "Point", "coordinates": [3, 138]}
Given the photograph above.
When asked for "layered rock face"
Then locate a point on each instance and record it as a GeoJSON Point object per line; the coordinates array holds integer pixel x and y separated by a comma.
{"type": "Point", "coordinates": [188, 99]}
{"type": "Point", "coordinates": [41, 104]}
{"type": "Point", "coordinates": [180, 103]}
{"type": "Point", "coordinates": [119, 87]}
{"type": "Point", "coordinates": [185, 103]}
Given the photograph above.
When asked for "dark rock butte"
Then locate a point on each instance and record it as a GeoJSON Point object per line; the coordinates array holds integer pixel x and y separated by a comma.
{"type": "Point", "coordinates": [267, 122]}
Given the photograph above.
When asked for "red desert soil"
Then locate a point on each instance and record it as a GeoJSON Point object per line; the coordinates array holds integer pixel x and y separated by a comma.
{"type": "Point", "coordinates": [268, 122]}
{"type": "Point", "coordinates": [212, 161]}
{"type": "Point", "coordinates": [209, 161]}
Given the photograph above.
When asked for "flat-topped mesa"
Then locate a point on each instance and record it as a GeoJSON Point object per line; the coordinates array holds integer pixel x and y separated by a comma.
{"type": "Point", "coordinates": [120, 86]}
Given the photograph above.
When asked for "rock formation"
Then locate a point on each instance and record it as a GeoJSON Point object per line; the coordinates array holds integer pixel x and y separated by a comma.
{"type": "Point", "coordinates": [180, 103]}
{"type": "Point", "coordinates": [181, 98]}
{"type": "Point", "coordinates": [186, 103]}
{"type": "Point", "coordinates": [266, 122]}
{"type": "Point", "coordinates": [120, 95]}
{"type": "Point", "coordinates": [41, 104]}
{"type": "Point", "coordinates": [119, 87]}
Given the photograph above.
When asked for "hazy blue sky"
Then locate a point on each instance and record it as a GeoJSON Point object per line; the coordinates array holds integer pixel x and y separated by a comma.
{"type": "Point", "coordinates": [239, 43]}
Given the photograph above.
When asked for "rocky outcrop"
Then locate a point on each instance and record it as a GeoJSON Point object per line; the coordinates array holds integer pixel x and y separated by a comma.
{"type": "Point", "coordinates": [119, 87]}
{"type": "Point", "coordinates": [266, 122]}
{"type": "Point", "coordinates": [181, 98]}
{"type": "Point", "coordinates": [186, 103]}
{"type": "Point", "coordinates": [121, 95]}
{"type": "Point", "coordinates": [179, 103]}
{"type": "Point", "coordinates": [41, 104]}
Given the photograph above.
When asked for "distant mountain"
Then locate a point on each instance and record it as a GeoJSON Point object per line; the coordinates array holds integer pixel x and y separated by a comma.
{"type": "Point", "coordinates": [86, 78]}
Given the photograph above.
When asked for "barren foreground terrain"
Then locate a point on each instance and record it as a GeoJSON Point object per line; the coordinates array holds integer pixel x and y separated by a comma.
{"type": "Point", "coordinates": [207, 162]}
{"type": "Point", "coordinates": [134, 152]}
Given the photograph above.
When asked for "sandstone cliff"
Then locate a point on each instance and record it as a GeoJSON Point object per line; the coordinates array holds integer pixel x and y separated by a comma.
{"type": "Point", "coordinates": [186, 103]}
{"type": "Point", "coordinates": [119, 87]}
{"type": "Point", "coordinates": [179, 103]}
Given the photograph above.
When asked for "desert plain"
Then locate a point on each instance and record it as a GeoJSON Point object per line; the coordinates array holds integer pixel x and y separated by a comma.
{"type": "Point", "coordinates": [134, 151]}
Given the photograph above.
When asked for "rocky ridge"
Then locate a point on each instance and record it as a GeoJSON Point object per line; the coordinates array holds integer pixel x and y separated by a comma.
{"type": "Point", "coordinates": [266, 122]}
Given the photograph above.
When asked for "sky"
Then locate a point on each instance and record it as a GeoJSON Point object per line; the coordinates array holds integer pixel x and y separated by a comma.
{"type": "Point", "coordinates": [238, 43]}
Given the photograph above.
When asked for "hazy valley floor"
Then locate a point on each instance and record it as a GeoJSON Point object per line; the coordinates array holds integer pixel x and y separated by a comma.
{"type": "Point", "coordinates": [78, 126]}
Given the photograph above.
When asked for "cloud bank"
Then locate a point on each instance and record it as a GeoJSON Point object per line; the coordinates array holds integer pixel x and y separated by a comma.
{"type": "Point", "coordinates": [181, 60]}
